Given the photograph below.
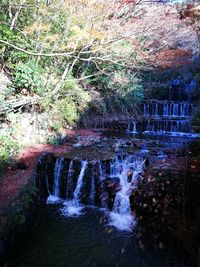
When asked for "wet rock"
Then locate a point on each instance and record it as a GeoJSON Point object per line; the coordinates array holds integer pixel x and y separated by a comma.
{"type": "Point", "coordinates": [129, 143]}
{"type": "Point", "coordinates": [77, 145]}
{"type": "Point", "coordinates": [130, 174]}
{"type": "Point", "coordinates": [45, 167]}
{"type": "Point", "coordinates": [147, 162]}
{"type": "Point", "coordinates": [113, 184]}
{"type": "Point", "coordinates": [22, 165]}
{"type": "Point", "coordinates": [18, 165]}
{"type": "Point", "coordinates": [69, 139]}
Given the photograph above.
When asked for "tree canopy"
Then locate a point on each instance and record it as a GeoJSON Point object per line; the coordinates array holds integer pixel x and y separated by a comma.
{"type": "Point", "coordinates": [52, 48]}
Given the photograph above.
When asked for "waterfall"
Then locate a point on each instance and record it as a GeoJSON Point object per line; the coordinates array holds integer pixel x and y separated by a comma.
{"type": "Point", "coordinates": [185, 109]}
{"type": "Point", "coordinates": [128, 173]}
{"type": "Point", "coordinates": [76, 198]}
{"type": "Point", "coordinates": [169, 126]}
{"type": "Point", "coordinates": [127, 170]}
{"type": "Point", "coordinates": [55, 197]}
{"type": "Point", "coordinates": [166, 118]}
{"type": "Point", "coordinates": [146, 109]}
{"type": "Point", "coordinates": [182, 110]}
{"type": "Point", "coordinates": [132, 127]}
{"type": "Point", "coordinates": [155, 109]}
{"type": "Point", "coordinates": [107, 184]}
{"type": "Point", "coordinates": [73, 207]}
{"type": "Point", "coordinates": [166, 109]}
{"type": "Point", "coordinates": [100, 171]}
{"type": "Point", "coordinates": [114, 167]}
{"type": "Point", "coordinates": [69, 189]}
{"type": "Point", "coordinates": [175, 109]}
{"type": "Point", "coordinates": [104, 196]}
{"type": "Point", "coordinates": [148, 126]}
{"type": "Point", "coordinates": [57, 174]}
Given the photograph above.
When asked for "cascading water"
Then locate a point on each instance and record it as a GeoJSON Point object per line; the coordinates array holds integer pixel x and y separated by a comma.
{"type": "Point", "coordinates": [76, 198]}
{"type": "Point", "coordinates": [165, 118]}
{"type": "Point", "coordinates": [73, 207]}
{"type": "Point", "coordinates": [168, 109]}
{"type": "Point", "coordinates": [146, 110]}
{"type": "Point", "coordinates": [100, 171]}
{"type": "Point", "coordinates": [168, 126]}
{"type": "Point", "coordinates": [128, 171]}
{"type": "Point", "coordinates": [132, 127]}
{"type": "Point", "coordinates": [175, 109]}
{"type": "Point", "coordinates": [106, 184]}
{"type": "Point", "coordinates": [101, 180]}
{"type": "Point", "coordinates": [69, 189]}
{"type": "Point", "coordinates": [57, 174]}
{"type": "Point", "coordinates": [156, 109]}
{"type": "Point", "coordinates": [55, 197]}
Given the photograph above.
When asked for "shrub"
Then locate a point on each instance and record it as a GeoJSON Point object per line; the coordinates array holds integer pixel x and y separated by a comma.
{"type": "Point", "coordinates": [120, 90]}
{"type": "Point", "coordinates": [56, 125]}
{"type": "Point", "coordinates": [67, 110]}
{"type": "Point", "coordinates": [73, 90]}
{"type": "Point", "coordinates": [29, 76]}
{"type": "Point", "coordinates": [8, 149]}
{"type": "Point", "coordinates": [61, 112]}
{"type": "Point", "coordinates": [71, 101]}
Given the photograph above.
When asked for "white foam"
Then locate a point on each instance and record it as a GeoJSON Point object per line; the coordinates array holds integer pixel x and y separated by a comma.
{"type": "Point", "coordinates": [121, 216]}
{"type": "Point", "coordinates": [53, 199]}
{"type": "Point", "coordinates": [70, 209]}
{"type": "Point", "coordinates": [123, 222]}
{"type": "Point", "coordinates": [174, 134]}
{"type": "Point", "coordinates": [144, 151]}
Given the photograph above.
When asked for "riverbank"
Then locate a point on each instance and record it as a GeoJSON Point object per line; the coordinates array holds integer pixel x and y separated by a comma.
{"type": "Point", "coordinates": [18, 194]}
{"type": "Point", "coordinates": [161, 186]}
{"type": "Point", "coordinates": [16, 176]}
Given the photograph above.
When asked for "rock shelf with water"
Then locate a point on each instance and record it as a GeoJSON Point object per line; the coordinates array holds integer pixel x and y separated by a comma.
{"type": "Point", "coordinates": [86, 177]}
{"type": "Point", "coordinates": [135, 184]}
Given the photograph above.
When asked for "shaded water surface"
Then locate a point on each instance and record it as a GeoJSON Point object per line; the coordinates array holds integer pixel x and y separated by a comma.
{"type": "Point", "coordinates": [83, 241]}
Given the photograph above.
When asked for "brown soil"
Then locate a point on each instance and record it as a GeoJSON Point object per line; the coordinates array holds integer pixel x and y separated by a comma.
{"type": "Point", "coordinates": [15, 179]}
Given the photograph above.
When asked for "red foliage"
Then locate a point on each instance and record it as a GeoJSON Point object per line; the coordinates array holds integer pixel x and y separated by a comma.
{"type": "Point", "coordinates": [189, 6]}
{"type": "Point", "coordinates": [173, 58]}
{"type": "Point", "coordinates": [189, 12]}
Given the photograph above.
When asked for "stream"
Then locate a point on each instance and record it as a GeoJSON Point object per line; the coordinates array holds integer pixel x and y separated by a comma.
{"type": "Point", "coordinates": [84, 241]}
{"type": "Point", "coordinates": [89, 219]}
{"type": "Point", "coordinates": [122, 199]}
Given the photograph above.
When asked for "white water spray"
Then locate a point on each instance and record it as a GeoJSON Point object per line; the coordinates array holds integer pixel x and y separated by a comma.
{"type": "Point", "coordinates": [55, 197]}
{"type": "Point", "coordinates": [129, 170]}
{"type": "Point", "coordinates": [73, 207]}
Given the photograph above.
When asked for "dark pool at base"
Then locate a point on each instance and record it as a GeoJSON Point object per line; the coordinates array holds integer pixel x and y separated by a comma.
{"type": "Point", "coordinates": [83, 241]}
